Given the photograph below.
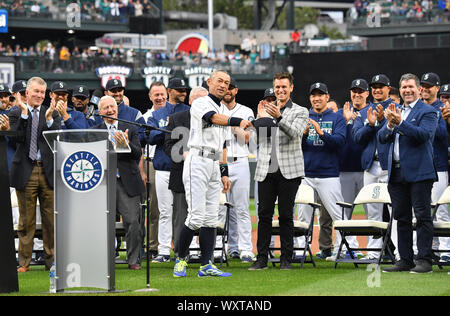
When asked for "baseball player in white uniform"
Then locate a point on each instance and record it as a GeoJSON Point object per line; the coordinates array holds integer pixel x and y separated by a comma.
{"type": "Point", "coordinates": [430, 86]}
{"type": "Point", "coordinates": [240, 228]}
{"type": "Point", "coordinates": [202, 174]}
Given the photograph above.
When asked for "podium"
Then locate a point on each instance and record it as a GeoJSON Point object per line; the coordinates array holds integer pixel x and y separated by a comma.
{"type": "Point", "coordinates": [85, 208]}
{"type": "Point", "coordinates": [8, 265]}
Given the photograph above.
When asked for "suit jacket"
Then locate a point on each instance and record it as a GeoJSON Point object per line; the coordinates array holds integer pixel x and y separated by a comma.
{"type": "Point", "coordinates": [289, 137]}
{"type": "Point", "coordinates": [415, 143]}
{"type": "Point", "coordinates": [183, 120]}
{"type": "Point", "coordinates": [128, 163]}
{"type": "Point", "coordinates": [365, 135]}
{"type": "Point", "coordinates": [21, 165]}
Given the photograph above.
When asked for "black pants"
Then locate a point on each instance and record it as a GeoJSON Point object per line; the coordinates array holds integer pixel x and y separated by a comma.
{"type": "Point", "coordinates": [406, 196]}
{"type": "Point", "coordinates": [275, 185]}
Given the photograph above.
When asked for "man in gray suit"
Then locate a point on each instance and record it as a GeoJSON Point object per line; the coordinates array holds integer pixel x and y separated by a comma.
{"type": "Point", "coordinates": [279, 169]}
{"type": "Point", "coordinates": [129, 182]}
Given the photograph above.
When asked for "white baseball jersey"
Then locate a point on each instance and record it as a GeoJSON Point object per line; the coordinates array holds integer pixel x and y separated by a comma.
{"type": "Point", "coordinates": [238, 148]}
{"type": "Point", "coordinates": [204, 135]}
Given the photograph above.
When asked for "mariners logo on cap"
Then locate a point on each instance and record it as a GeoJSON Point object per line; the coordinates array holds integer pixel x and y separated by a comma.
{"type": "Point", "coordinates": [358, 82]}
{"type": "Point", "coordinates": [377, 78]}
{"type": "Point", "coordinates": [82, 171]}
{"type": "Point", "coordinates": [425, 77]}
{"type": "Point", "coordinates": [446, 87]}
{"type": "Point", "coordinates": [317, 85]}
{"type": "Point", "coordinates": [2, 87]}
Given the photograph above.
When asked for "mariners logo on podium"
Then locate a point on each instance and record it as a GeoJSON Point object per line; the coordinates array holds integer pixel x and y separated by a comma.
{"type": "Point", "coordinates": [82, 171]}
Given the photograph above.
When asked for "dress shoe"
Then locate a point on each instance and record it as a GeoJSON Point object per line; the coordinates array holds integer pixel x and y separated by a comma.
{"type": "Point", "coordinates": [134, 267]}
{"type": "Point", "coordinates": [422, 266]}
{"type": "Point", "coordinates": [23, 269]}
{"type": "Point", "coordinates": [399, 266]}
{"type": "Point", "coordinates": [285, 265]}
{"type": "Point", "coordinates": [259, 264]}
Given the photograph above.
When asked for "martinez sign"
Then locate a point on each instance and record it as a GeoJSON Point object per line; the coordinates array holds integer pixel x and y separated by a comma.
{"type": "Point", "coordinates": [196, 75]}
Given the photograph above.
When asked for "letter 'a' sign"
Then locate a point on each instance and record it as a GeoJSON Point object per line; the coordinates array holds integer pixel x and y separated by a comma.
{"type": "Point", "coordinates": [3, 21]}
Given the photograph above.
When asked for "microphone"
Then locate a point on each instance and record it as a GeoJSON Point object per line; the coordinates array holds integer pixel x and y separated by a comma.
{"type": "Point", "coordinates": [93, 102]}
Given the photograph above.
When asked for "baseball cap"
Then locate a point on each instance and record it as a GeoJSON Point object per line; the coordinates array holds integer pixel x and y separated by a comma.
{"type": "Point", "coordinates": [80, 91]}
{"type": "Point", "coordinates": [4, 89]}
{"type": "Point", "coordinates": [176, 83]}
{"type": "Point", "coordinates": [19, 86]}
{"type": "Point", "coordinates": [430, 78]}
{"type": "Point", "coordinates": [233, 83]}
{"type": "Point", "coordinates": [319, 86]}
{"type": "Point", "coordinates": [269, 93]}
{"type": "Point", "coordinates": [445, 89]}
{"type": "Point", "coordinates": [383, 79]}
{"type": "Point", "coordinates": [113, 84]}
{"type": "Point", "coordinates": [59, 86]}
{"type": "Point", "coordinates": [361, 84]}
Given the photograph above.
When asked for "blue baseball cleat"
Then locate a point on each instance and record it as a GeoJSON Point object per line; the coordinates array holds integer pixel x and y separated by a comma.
{"type": "Point", "coordinates": [211, 270]}
{"type": "Point", "coordinates": [179, 270]}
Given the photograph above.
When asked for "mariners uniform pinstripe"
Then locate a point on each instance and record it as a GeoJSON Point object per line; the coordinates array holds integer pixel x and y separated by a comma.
{"type": "Point", "coordinates": [201, 175]}
{"type": "Point", "coordinates": [240, 228]}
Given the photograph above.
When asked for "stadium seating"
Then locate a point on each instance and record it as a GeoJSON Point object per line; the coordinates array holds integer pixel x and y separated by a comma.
{"type": "Point", "coordinates": [372, 193]}
{"type": "Point", "coordinates": [441, 229]}
{"type": "Point", "coordinates": [305, 195]}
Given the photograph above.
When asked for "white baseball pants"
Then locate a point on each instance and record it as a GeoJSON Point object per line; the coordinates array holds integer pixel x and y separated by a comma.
{"type": "Point", "coordinates": [201, 178]}
{"type": "Point", "coordinates": [165, 206]}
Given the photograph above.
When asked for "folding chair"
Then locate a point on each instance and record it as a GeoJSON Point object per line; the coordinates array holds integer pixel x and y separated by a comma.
{"type": "Point", "coordinates": [440, 228]}
{"type": "Point", "coordinates": [222, 230]}
{"type": "Point", "coordinates": [372, 193]}
{"type": "Point", "coordinates": [305, 195]}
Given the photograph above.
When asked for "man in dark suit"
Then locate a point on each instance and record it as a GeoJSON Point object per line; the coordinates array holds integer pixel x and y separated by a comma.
{"type": "Point", "coordinates": [129, 182]}
{"type": "Point", "coordinates": [410, 133]}
{"type": "Point", "coordinates": [175, 146]}
{"type": "Point", "coordinates": [32, 170]}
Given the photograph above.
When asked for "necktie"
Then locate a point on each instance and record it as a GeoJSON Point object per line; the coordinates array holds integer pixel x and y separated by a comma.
{"type": "Point", "coordinates": [34, 132]}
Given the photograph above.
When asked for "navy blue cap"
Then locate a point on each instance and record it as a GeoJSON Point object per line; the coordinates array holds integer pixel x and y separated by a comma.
{"type": "Point", "coordinates": [59, 86]}
{"type": "Point", "coordinates": [19, 86]}
{"type": "Point", "coordinates": [233, 83]}
{"type": "Point", "coordinates": [4, 89]}
{"type": "Point", "coordinates": [445, 89]}
{"type": "Point", "coordinates": [176, 83]}
{"type": "Point", "coordinates": [80, 91]}
{"type": "Point", "coordinates": [383, 79]}
{"type": "Point", "coordinates": [113, 84]}
{"type": "Point", "coordinates": [430, 78]}
{"type": "Point", "coordinates": [269, 93]}
{"type": "Point", "coordinates": [318, 86]}
{"type": "Point", "coordinates": [360, 83]}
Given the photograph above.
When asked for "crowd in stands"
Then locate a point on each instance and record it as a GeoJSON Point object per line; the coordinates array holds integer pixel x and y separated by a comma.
{"type": "Point", "coordinates": [436, 11]}
{"type": "Point", "coordinates": [95, 10]}
{"type": "Point", "coordinates": [50, 59]}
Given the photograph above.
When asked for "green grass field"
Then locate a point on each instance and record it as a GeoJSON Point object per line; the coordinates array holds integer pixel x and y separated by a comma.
{"type": "Point", "coordinates": [322, 280]}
